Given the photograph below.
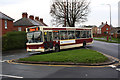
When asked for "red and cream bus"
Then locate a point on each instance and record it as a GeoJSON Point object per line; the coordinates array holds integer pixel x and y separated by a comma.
{"type": "Point", "coordinates": [42, 39]}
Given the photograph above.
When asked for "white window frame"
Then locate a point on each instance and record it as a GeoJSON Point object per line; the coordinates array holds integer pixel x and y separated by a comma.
{"type": "Point", "coordinates": [6, 24]}
{"type": "Point", "coordinates": [106, 28]}
{"type": "Point", "coordinates": [19, 29]}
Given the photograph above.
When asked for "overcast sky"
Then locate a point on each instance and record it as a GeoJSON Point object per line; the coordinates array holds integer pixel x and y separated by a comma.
{"type": "Point", "coordinates": [99, 12]}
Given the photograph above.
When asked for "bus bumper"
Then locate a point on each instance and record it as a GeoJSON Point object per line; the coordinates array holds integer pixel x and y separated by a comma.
{"type": "Point", "coordinates": [35, 50]}
{"type": "Point", "coordinates": [90, 43]}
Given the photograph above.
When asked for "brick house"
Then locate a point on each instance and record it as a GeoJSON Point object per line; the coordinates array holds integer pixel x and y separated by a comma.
{"type": "Point", "coordinates": [6, 23]}
{"type": "Point", "coordinates": [26, 22]}
{"type": "Point", "coordinates": [115, 32]}
{"type": "Point", "coordinates": [94, 28]}
{"type": "Point", "coordinates": [104, 29]}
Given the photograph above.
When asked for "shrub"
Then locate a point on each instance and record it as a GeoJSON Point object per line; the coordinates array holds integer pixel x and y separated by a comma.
{"type": "Point", "coordinates": [13, 40]}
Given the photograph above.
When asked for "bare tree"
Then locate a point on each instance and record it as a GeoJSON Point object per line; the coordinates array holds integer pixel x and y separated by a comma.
{"type": "Point", "coordinates": [69, 12]}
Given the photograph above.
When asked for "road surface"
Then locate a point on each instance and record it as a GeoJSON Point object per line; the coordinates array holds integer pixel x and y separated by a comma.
{"type": "Point", "coordinates": [36, 71]}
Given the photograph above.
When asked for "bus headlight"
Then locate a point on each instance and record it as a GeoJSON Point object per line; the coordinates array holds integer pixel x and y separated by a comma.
{"type": "Point", "coordinates": [41, 47]}
{"type": "Point", "coordinates": [27, 47]}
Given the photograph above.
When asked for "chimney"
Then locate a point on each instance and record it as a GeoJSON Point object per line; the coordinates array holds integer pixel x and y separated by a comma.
{"type": "Point", "coordinates": [106, 22]}
{"type": "Point", "coordinates": [37, 18]}
{"type": "Point", "coordinates": [102, 23]}
{"type": "Point", "coordinates": [24, 15]}
{"type": "Point", "coordinates": [41, 20]}
{"type": "Point", "coordinates": [31, 17]}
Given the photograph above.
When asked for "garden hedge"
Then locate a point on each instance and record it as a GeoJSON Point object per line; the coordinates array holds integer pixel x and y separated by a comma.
{"type": "Point", "coordinates": [14, 40]}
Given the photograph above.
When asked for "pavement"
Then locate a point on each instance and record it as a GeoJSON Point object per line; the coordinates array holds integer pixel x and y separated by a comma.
{"type": "Point", "coordinates": [104, 39]}
{"type": "Point", "coordinates": [36, 72]}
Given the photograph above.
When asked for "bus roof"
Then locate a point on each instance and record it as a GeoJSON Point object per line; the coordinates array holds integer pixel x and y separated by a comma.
{"type": "Point", "coordinates": [58, 28]}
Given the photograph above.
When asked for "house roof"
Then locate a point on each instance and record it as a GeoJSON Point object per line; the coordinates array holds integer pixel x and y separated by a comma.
{"type": "Point", "coordinates": [40, 23]}
{"type": "Point", "coordinates": [4, 16]}
{"type": "Point", "coordinates": [102, 25]}
{"type": "Point", "coordinates": [44, 24]}
{"type": "Point", "coordinates": [27, 22]}
{"type": "Point", "coordinates": [90, 26]}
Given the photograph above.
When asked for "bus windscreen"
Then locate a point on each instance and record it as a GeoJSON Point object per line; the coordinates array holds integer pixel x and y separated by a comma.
{"type": "Point", "coordinates": [34, 37]}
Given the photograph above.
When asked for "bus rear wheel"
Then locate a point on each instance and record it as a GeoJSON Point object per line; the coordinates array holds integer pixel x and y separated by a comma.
{"type": "Point", "coordinates": [57, 48]}
{"type": "Point", "coordinates": [84, 44]}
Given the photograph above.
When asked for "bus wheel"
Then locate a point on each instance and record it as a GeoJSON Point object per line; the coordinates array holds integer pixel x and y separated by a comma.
{"type": "Point", "coordinates": [84, 44]}
{"type": "Point", "coordinates": [57, 48]}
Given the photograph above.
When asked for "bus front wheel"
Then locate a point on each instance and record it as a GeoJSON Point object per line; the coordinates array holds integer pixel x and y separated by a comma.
{"type": "Point", "coordinates": [57, 48]}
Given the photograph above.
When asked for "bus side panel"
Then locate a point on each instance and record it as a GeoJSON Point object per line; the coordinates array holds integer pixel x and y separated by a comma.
{"type": "Point", "coordinates": [78, 43]}
{"type": "Point", "coordinates": [56, 43]}
{"type": "Point", "coordinates": [82, 40]}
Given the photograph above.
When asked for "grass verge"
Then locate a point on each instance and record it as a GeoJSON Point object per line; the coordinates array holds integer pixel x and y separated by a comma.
{"type": "Point", "coordinates": [74, 56]}
{"type": "Point", "coordinates": [108, 41]}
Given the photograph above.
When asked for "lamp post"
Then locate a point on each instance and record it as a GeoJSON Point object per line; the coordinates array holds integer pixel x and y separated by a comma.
{"type": "Point", "coordinates": [110, 18]}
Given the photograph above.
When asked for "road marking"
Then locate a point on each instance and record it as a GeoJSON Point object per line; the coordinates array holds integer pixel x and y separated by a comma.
{"type": "Point", "coordinates": [112, 66]}
{"type": "Point", "coordinates": [1, 61]}
{"type": "Point", "coordinates": [118, 69]}
{"type": "Point", "coordinates": [4, 61]}
{"type": "Point", "coordinates": [10, 76]}
{"type": "Point", "coordinates": [86, 74]}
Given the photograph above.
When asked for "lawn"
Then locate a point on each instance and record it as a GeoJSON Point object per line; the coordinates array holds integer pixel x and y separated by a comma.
{"type": "Point", "coordinates": [74, 56]}
{"type": "Point", "coordinates": [113, 40]}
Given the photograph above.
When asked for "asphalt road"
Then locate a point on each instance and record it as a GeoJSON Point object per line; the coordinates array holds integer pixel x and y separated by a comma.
{"type": "Point", "coordinates": [107, 48]}
{"type": "Point", "coordinates": [10, 71]}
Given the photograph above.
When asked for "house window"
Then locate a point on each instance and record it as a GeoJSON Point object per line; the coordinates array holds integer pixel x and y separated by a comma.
{"type": "Point", "coordinates": [106, 28]}
{"type": "Point", "coordinates": [19, 28]}
{"type": "Point", "coordinates": [107, 32]}
{"type": "Point", "coordinates": [5, 24]}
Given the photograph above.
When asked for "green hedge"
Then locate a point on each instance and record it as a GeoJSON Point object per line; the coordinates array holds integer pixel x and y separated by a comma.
{"type": "Point", "coordinates": [13, 40]}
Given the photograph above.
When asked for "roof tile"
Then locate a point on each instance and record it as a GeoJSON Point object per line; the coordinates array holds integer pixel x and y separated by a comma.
{"type": "Point", "coordinates": [4, 16]}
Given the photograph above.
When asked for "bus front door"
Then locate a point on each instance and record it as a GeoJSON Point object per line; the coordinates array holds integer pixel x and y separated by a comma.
{"type": "Point", "coordinates": [48, 44]}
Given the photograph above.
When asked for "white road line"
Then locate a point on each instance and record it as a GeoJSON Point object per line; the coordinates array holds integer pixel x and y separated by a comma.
{"type": "Point", "coordinates": [10, 76]}
{"type": "Point", "coordinates": [86, 75]}
{"type": "Point", "coordinates": [4, 61]}
{"type": "Point", "coordinates": [112, 66]}
{"type": "Point", "coordinates": [118, 69]}
{"type": "Point", "coordinates": [1, 61]}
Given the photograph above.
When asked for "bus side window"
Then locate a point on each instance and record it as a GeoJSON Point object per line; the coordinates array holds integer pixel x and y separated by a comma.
{"type": "Point", "coordinates": [84, 34]}
{"type": "Point", "coordinates": [81, 34]}
{"type": "Point", "coordinates": [64, 35]}
{"type": "Point", "coordinates": [50, 36]}
{"type": "Point", "coordinates": [90, 34]}
{"type": "Point", "coordinates": [77, 34]}
{"type": "Point", "coordinates": [56, 35]}
{"type": "Point", "coordinates": [71, 34]}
